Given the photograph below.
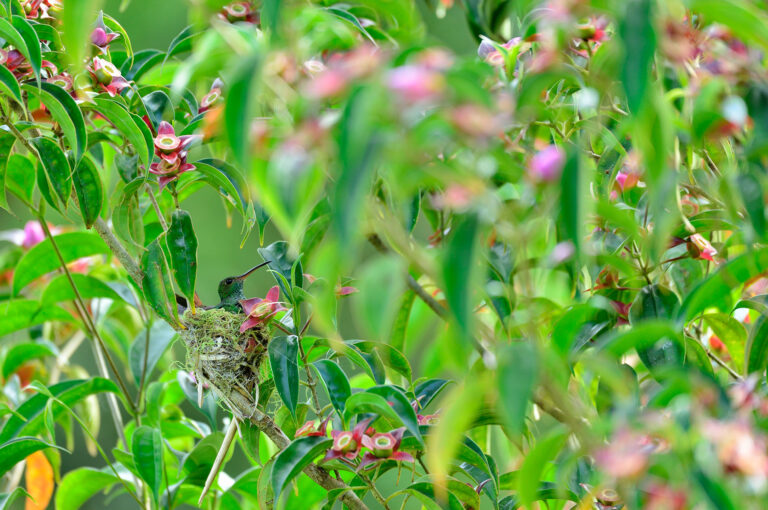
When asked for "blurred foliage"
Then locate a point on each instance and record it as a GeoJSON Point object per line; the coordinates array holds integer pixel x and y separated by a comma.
{"type": "Point", "coordinates": [530, 275]}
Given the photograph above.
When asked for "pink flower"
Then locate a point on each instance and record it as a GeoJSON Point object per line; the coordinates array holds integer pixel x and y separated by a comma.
{"type": "Point", "coordinates": [63, 80]}
{"type": "Point", "coordinates": [488, 51]}
{"type": "Point", "coordinates": [700, 248]}
{"type": "Point", "coordinates": [547, 164]}
{"type": "Point", "coordinates": [309, 429]}
{"type": "Point", "coordinates": [100, 37]}
{"type": "Point", "coordinates": [168, 172]}
{"type": "Point", "coordinates": [260, 311]}
{"type": "Point", "coordinates": [29, 236]}
{"type": "Point", "coordinates": [384, 446]}
{"type": "Point", "coordinates": [172, 151]}
{"type": "Point", "coordinates": [415, 83]}
{"type": "Point", "coordinates": [239, 11]}
{"type": "Point", "coordinates": [347, 444]}
{"type": "Point", "coordinates": [106, 76]}
{"type": "Point", "coordinates": [212, 97]}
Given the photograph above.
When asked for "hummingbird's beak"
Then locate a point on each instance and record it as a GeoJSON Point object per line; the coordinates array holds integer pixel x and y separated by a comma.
{"type": "Point", "coordinates": [248, 273]}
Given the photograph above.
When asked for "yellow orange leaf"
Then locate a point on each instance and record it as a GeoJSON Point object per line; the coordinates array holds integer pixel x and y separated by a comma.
{"type": "Point", "coordinates": [39, 481]}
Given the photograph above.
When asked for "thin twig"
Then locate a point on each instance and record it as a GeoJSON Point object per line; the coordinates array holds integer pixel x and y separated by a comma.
{"type": "Point", "coordinates": [216, 467]}
{"type": "Point", "coordinates": [157, 209]}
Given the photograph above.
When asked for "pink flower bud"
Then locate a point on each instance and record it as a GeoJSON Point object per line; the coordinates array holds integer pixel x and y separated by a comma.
{"type": "Point", "coordinates": [415, 83]}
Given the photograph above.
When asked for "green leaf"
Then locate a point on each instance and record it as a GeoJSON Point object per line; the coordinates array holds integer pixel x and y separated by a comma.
{"type": "Point", "coordinates": [400, 324]}
{"type": "Point", "coordinates": [22, 313]}
{"type": "Point", "coordinates": [161, 336]}
{"type": "Point", "coordinates": [11, 34]}
{"type": "Point", "coordinates": [126, 125]}
{"type": "Point", "coordinates": [76, 20]}
{"type": "Point", "coordinates": [380, 283]}
{"type": "Point", "coordinates": [6, 145]}
{"type": "Point", "coordinates": [756, 353]}
{"type": "Point", "coordinates": [89, 287]}
{"type": "Point", "coordinates": [18, 449]}
{"type": "Point", "coordinates": [22, 353]}
{"type": "Point", "coordinates": [639, 38]}
{"type": "Point", "coordinates": [31, 42]}
{"type": "Point", "coordinates": [696, 356]}
{"type": "Point", "coordinates": [732, 333]}
{"type": "Point", "coordinates": [20, 176]}
{"type": "Point", "coordinates": [58, 173]}
{"type": "Point", "coordinates": [364, 402]}
{"type": "Point", "coordinates": [115, 26]}
{"type": "Point", "coordinates": [335, 381]}
{"type": "Point", "coordinates": [716, 290]}
{"type": "Point", "coordinates": [156, 283]}
{"type": "Point", "coordinates": [402, 406]}
{"type": "Point", "coordinates": [648, 333]}
{"type": "Point", "coordinates": [283, 359]}
{"type": "Point", "coordinates": [751, 193]}
{"type": "Point", "coordinates": [7, 500]}
{"type": "Point", "coordinates": [238, 107]}
{"type": "Point", "coordinates": [90, 195]}
{"type": "Point", "coordinates": [296, 456]}
{"type": "Point", "coordinates": [222, 183]}
{"type": "Point", "coordinates": [457, 269]}
{"type": "Point", "coordinates": [182, 246]}
{"type": "Point", "coordinates": [80, 485]}
{"type": "Point", "coordinates": [29, 417]}
{"type": "Point", "coordinates": [543, 452]}
{"type": "Point", "coordinates": [517, 373]}
{"type": "Point", "coordinates": [42, 259]}
{"type": "Point", "coordinates": [147, 450]}
{"type": "Point", "coordinates": [651, 303]}
{"type": "Point", "coordinates": [391, 357]}
{"type": "Point", "coordinates": [235, 178]}
{"type": "Point", "coordinates": [9, 85]}
{"type": "Point", "coordinates": [65, 112]}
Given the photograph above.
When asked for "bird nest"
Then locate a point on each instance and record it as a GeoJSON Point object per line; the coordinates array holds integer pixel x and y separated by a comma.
{"type": "Point", "coordinates": [224, 358]}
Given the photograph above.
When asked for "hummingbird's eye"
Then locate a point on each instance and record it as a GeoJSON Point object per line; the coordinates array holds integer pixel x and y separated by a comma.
{"type": "Point", "coordinates": [228, 281]}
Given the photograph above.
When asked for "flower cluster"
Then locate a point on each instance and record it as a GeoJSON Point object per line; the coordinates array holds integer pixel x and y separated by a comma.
{"type": "Point", "coordinates": [261, 310]}
{"type": "Point", "coordinates": [239, 12]}
{"type": "Point", "coordinates": [381, 446]}
{"type": "Point", "coordinates": [172, 151]}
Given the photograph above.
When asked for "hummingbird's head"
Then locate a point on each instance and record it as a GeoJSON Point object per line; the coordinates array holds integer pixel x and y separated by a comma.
{"type": "Point", "coordinates": [232, 286]}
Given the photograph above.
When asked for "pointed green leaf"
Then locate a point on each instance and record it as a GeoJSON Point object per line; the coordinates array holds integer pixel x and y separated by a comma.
{"type": "Point", "coordinates": [182, 246]}
{"type": "Point", "coordinates": [80, 485]}
{"type": "Point", "coordinates": [21, 314]}
{"type": "Point", "coordinates": [9, 85]}
{"type": "Point", "coordinates": [57, 170]}
{"type": "Point", "coordinates": [161, 336]}
{"type": "Point", "coordinates": [90, 195]}
{"type": "Point", "coordinates": [65, 112]}
{"type": "Point", "coordinates": [42, 259]}
{"type": "Point", "coordinates": [516, 379]}
{"type": "Point", "coordinates": [147, 450]}
{"type": "Point", "coordinates": [24, 352]}
{"type": "Point", "coordinates": [157, 285]}
{"type": "Point", "coordinates": [283, 359]}
{"type": "Point", "coordinates": [402, 407]}
{"type": "Point", "coordinates": [335, 381]}
{"type": "Point", "coordinates": [12, 36]}
{"type": "Point", "coordinates": [237, 109]}
{"type": "Point", "coordinates": [126, 125]}
{"type": "Point", "coordinates": [457, 269]}
{"type": "Point", "coordinates": [76, 20]}
{"type": "Point", "coordinates": [365, 402]}
{"type": "Point", "coordinates": [534, 464]}
{"type": "Point", "coordinates": [89, 288]}
{"type": "Point", "coordinates": [296, 456]}
{"type": "Point", "coordinates": [32, 43]}
{"type": "Point", "coordinates": [18, 449]}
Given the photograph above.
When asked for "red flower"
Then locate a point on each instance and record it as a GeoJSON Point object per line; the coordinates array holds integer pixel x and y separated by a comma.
{"type": "Point", "coordinates": [260, 310]}
{"type": "Point", "coordinates": [106, 76]}
{"type": "Point", "coordinates": [384, 446]}
{"type": "Point", "coordinates": [172, 151]}
{"type": "Point", "coordinates": [100, 37]}
{"type": "Point", "coordinates": [700, 248]}
{"type": "Point", "coordinates": [347, 444]}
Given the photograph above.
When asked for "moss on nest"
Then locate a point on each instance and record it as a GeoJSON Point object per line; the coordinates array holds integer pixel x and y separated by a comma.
{"type": "Point", "coordinates": [224, 358]}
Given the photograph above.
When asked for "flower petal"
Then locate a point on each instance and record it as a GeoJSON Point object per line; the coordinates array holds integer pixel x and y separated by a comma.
{"type": "Point", "coordinates": [165, 128]}
{"type": "Point", "coordinates": [402, 456]}
{"type": "Point", "coordinates": [273, 294]}
{"type": "Point", "coordinates": [250, 322]}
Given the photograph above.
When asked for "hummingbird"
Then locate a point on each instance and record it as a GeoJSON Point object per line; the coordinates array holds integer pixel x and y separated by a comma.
{"type": "Point", "coordinates": [230, 293]}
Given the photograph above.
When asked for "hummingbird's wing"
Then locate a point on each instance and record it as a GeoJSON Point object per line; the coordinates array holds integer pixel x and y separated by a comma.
{"type": "Point", "coordinates": [182, 305]}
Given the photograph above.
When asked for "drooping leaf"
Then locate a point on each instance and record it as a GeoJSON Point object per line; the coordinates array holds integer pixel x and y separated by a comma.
{"type": "Point", "coordinates": [335, 381]}
{"type": "Point", "coordinates": [10, 33]}
{"type": "Point", "coordinates": [126, 125]}
{"type": "Point", "coordinates": [29, 417]}
{"type": "Point", "coordinates": [365, 402]}
{"type": "Point", "coordinates": [42, 259]}
{"type": "Point", "coordinates": [283, 358]}
{"type": "Point", "coordinates": [516, 379]}
{"type": "Point", "coordinates": [90, 194]}
{"type": "Point", "coordinates": [9, 85]}
{"type": "Point", "coordinates": [282, 261]}
{"type": "Point", "coordinates": [156, 283]}
{"type": "Point", "coordinates": [182, 246]}
{"type": "Point", "coordinates": [24, 352]}
{"type": "Point", "coordinates": [147, 450]}
{"type": "Point", "coordinates": [656, 302]}
{"type": "Point", "coordinates": [31, 43]}
{"type": "Point", "coordinates": [457, 270]}
{"type": "Point", "coordinates": [402, 406]}
{"type": "Point", "coordinates": [22, 313]}
{"type": "Point", "coordinates": [236, 111]}
{"type": "Point", "coordinates": [294, 458]}
{"type": "Point", "coordinates": [15, 450]}
{"type": "Point", "coordinates": [80, 485]}
{"type": "Point", "coordinates": [534, 464]}
{"type": "Point", "coordinates": [57, 170]}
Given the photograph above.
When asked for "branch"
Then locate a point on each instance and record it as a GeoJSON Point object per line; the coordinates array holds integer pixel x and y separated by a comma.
{"type": "Point", "coordinates": [128, 262]}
